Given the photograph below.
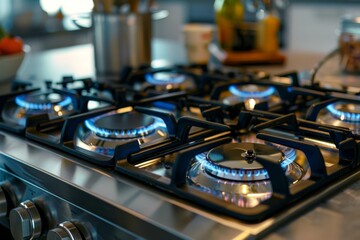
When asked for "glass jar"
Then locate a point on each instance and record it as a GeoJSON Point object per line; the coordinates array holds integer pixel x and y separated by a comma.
{"type": "Point", "coordinates": [235, 33]}
{"type": "Point", "coordinates": [268, 26]}
{"type": "Point", "coordinates": [349, 45]}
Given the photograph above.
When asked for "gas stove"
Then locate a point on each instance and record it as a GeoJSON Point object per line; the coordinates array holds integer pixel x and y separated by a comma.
{"type": "Point", "coordinates": [162, 153]}
{"type": "Point", "coordinates": [250, 176]}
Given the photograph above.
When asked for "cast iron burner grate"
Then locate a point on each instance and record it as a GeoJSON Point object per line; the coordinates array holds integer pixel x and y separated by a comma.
{"type": "Point", "coordinates": [250, 181]}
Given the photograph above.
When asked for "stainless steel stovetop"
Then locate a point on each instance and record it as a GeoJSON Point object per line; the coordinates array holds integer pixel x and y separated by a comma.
{"type": "Point", "coordinates": [111, 206]}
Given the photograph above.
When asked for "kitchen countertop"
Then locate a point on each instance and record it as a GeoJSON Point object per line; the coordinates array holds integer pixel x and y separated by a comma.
{"type": "Point", "coordinates": [334, 218]}
{"type": "Point", "coordinates": [65, 61]}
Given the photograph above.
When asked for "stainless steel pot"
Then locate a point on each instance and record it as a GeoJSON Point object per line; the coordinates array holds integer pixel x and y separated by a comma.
{"type": "Point", "coordinates": [121, 40]}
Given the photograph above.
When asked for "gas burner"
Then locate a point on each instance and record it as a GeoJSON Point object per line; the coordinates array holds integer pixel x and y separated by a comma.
{"type": "Point", "coordinates": [41, 101]}
{"type": "Point", "coordinates": [346, 112]}
{"type": "Point", "coordinates": [290, 153]}
{"type": "Point", "coordinates": [112, 126]}
{"type": "Point", "coordinates": [165, 78]}
{"type": "Point", "coordinates": [250, 94]}
{"type": "Point", "coordinates": [231, 171]}
{"type": "Point", "coordinates": [342, 114]}
{"type": "Point", "coordinates": [103, 133]}
{"type": "Point", "coordinates": [252, 91]}
{"type": "Point", "coordinates": [237, 161]}
{"type": "Point", "coordinates": [25, 105]}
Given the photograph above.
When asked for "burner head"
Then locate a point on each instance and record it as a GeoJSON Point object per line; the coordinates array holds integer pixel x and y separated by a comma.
{"type": "Point", "coordinates": [237, 161]}
{"type": "Point", "coordinates": [42, 101]}
{"type": "Point", "coordinates": [122, 125]}
{"type": "Point", "coordinates": [165, 78]}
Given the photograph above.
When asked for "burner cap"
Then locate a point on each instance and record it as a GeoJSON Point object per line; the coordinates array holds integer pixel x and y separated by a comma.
{"type": "Point", "coordinates": [237, 161]}
{"type": "Point", "coordinates": [347, 112]}
{"type": "Point", "coordinates": [165, 78]}
{"type": "Point", "coordinates": [252, 91]}
{"type": "Point", "coordinates": [122, 125]}
{"type": "Point", "coordinates": [42, 101]}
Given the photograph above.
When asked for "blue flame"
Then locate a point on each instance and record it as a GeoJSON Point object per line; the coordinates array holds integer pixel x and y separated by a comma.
{"type": "Point", "coordinates": [247, 94]}
{"type": "Point", "coordinates": [22, 102]}
{"type": "Point", "coordinates": [105, 151]}
{"type": "Point", "coordinates": [121, 133]}
{"type": "Point", "coordinates": [165, 106]}
{"type": "Point", "coordinates": [344, 116]}
{"type": "Point", "coordinates": [166, 78]}
{"type": "Point", "coordinates": [226, 171]}
{"type": "Point", "coordinates": [290, 156]}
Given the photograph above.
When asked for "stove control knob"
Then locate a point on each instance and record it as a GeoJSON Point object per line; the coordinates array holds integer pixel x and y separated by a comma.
{"type": "Point", "coordinates": [3, 203]}
{"type": "Point", "coordinates": [25, 221]}
{"type": "Point", "coordinates": [65, 231]}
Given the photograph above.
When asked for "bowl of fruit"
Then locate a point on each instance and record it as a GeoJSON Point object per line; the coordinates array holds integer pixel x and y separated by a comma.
{"type": "Point", "coordinates": [12, 54]}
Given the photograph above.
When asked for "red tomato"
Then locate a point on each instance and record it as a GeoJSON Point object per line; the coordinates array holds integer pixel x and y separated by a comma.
{"type": "Point", "coordinates": [11, 45]}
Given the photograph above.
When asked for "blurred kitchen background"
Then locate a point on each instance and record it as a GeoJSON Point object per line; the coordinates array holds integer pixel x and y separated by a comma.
{"type": "Point", "coordinates": [45, 24]}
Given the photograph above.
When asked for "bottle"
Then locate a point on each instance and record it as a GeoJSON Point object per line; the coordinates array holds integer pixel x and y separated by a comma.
{"type": "Point", "coordinates": [268, 26]}
{"type": "Point", "coordinates": [234, 32]}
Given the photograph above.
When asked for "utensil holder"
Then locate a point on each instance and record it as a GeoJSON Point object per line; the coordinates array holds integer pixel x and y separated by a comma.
{"type": "Point", "coordinates": [121, 40]}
